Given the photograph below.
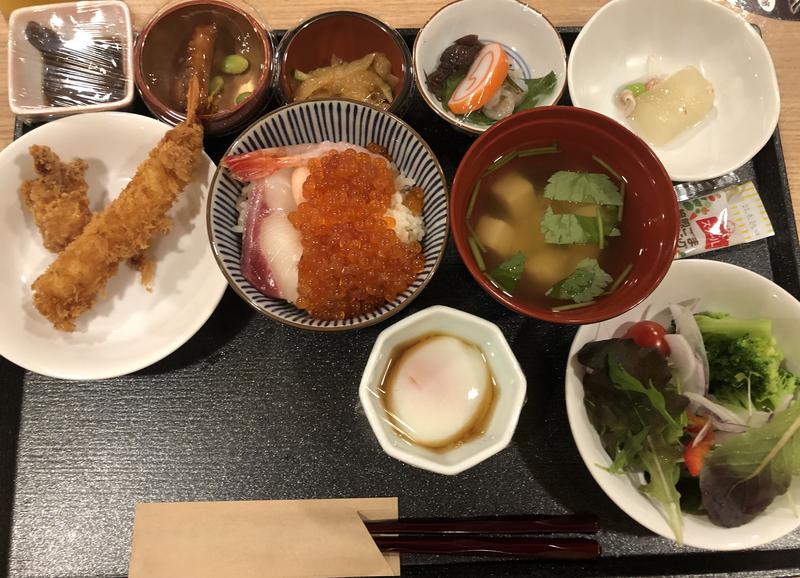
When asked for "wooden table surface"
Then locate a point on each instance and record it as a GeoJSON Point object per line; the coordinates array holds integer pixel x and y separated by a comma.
{"type": "Point", "coordinates": [781, 38]}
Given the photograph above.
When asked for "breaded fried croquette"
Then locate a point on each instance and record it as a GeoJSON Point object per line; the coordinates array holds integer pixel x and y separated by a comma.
{"type": "Point", "coordinates": [124, 228]}
{"type": "Point", "coordinates": [57, 198]}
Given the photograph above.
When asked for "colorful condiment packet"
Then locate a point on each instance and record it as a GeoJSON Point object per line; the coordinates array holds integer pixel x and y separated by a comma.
{"type": "Point", "coordinates": [724, 218]}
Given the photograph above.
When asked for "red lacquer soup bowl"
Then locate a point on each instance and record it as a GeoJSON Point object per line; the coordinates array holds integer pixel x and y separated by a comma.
{"type": "Point", "coordinates": [643, 252]}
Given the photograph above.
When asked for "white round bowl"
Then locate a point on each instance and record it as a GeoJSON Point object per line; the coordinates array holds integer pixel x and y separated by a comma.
{"type": "Point", "coordinates": [528, 37]}
{"type": "Point", "coordinates": [507, 374]}
{"type": "Point", "coordinates": [613, 50]}
{"type": "Point", "coordinates": [718, 287]}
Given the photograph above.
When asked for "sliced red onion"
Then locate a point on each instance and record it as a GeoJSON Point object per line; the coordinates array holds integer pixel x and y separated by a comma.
{"type": "Point", "coordinates": [723, 413]}
{"type": "Point", "coordinates": [686, 363]}
{"type": "Point", "coordinates": [701, 435]}
{"type": "Point", "coordinates": [686, 326]}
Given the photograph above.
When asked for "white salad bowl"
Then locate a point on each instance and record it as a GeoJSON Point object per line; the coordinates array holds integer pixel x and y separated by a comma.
{"type": "Point", "coordinates": [508, 377]}
{"type": "Point", "coordinates": [628, 40]}
{"type": "Point", "coordinates": [530, 40]}
{"type": "Point", "coordinates": [338, 121]}
{"type": "Point", "coordinates": [716, 287]}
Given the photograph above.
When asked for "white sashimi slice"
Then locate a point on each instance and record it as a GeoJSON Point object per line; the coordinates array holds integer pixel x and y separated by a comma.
{"type": "Point", "coordinates": [299, 177]}
{"type": "Point", "coordinates": [439, 390]}
{"type": "Point", "coordinates": [279, 243]}
{"type": "Point", "coordinates": [278, 191]}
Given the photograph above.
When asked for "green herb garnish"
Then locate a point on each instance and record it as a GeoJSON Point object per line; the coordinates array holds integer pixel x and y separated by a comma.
{"type": "Point", "coordinates": [574, 187]}
{"type": "Point", "coordinates": [586, 282]}
{"type": "Point", "coordinates": [537, 89]}
{"type": "Point", "coordinates": [476, 252]}
{"type": "Point", "coordinates": [509, 272]}
{"type": "Point", "coordinates": [571, 229]}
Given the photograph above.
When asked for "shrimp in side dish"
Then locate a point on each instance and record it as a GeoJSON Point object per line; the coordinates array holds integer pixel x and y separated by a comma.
{"type": "Point", "coordinates": [57, 198]}
{"type": "Point", "coordinates": [124, 228]}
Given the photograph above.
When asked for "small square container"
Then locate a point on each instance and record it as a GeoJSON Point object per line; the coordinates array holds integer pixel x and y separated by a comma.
{"type": "Point", "coordinates": [83, 62]}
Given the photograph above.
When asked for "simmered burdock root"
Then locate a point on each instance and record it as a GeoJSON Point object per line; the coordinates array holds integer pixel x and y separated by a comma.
{"type": "Point", "coordinates": [352, 259]}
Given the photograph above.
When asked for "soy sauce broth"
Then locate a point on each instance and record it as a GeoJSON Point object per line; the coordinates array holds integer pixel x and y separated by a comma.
{"type": "Point", "coordinates": [546, 264]}
{"type": "Point", "coordinates": [164, 53]}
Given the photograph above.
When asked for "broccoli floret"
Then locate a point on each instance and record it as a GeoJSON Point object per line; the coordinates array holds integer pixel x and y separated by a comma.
{"type": "Point", "coordinates": [742, 355]}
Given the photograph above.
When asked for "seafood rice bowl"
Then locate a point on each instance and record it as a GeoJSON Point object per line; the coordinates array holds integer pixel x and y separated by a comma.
{"type": "Point", "coordinates": [335, 232]}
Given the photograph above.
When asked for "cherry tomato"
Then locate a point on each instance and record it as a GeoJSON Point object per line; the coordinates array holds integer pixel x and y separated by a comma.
{"type": "Point", "coordinates": [649, 334]}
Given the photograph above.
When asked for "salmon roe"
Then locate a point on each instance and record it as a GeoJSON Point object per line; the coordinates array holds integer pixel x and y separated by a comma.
{"type": "Point", "coordinates": [352, 260]}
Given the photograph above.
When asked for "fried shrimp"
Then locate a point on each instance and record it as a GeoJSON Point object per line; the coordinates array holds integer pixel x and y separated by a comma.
{"type": "Point", "coordinates": [57, 198]}
{"type": "Point", "coordinates": [125, 228]}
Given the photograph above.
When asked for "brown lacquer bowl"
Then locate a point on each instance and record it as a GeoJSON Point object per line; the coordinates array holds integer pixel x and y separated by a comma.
{"type": "Point", "coordinates": [161, 47]}
{"type": "Point", "coordinates": [349, 36]}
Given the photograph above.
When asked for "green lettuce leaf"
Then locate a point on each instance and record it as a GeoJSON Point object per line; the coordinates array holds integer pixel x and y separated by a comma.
{"type": "Point", "coordinates": [538, 88]}
{"type": "Point", "coordinates": [574, 187]}
{"type": "Point", "coordinates": [509, 272]}
{"type": "Point", "coordinates": [585, 283]}
{"type": "Point", "coordinates": [741, 477]}
{"type": "Point", "coordinates": [639, 426]}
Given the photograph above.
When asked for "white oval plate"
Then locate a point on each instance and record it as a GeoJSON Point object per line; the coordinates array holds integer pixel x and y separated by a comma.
{"type": "Point", "coordinates": [719, 287]}
{"type": "Point", "coordinates": [613, 49]}
{"type": "Point", "coordinates": [129, 328]}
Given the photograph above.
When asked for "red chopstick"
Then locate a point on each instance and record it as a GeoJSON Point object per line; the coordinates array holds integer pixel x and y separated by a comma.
{"type": "Point", "coordinates": [517, 547]}
{"type": "Point", "coordinates": [533, 524]}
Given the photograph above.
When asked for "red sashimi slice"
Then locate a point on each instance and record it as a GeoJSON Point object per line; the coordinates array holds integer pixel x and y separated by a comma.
{"type": "Point", "coordinates": [271, 248]}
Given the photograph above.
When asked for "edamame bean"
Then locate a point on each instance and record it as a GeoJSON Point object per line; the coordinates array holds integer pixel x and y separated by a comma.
{"type": "Point", "coordinates": [235, 64]}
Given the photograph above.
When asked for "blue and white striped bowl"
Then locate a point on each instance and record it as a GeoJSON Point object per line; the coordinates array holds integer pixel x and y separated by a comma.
{"type": "Point", "coordinates": [316, 121]}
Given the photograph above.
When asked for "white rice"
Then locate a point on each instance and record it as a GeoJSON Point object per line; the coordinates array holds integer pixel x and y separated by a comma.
{"type": "Point", "coordinates": [407, 226]}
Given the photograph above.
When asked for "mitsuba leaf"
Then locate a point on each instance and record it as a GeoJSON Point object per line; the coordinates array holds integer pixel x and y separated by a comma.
{"type": "Point", "coordinates": [575, 187]}
{"type": "Point", "coordinates": [571, 229]}
{"type": "Point", "coordinates": [741, 477]}
{"type": "Point", "coordinates": [585, 283]}
{"type": "Point", "coordinates": [538, 88]}
{"type": "Point", "coordinates": [509, 272]}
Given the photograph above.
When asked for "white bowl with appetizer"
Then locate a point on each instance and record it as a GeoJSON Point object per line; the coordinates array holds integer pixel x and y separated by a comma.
{"type": "Point", "coordinates": [477, 62]}
{"type": "Point", "coordinates": [691, 93]}
{"type": "Point", "coordinates": [328, 215]}
{"type": "Point", "coordinates": [442, 390]}
{"type": "Point", "coordinates": [104, 274]}
{"type": "Point", "coordinates": [698, 387]}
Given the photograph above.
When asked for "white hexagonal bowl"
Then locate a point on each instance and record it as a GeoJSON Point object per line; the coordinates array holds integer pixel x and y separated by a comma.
{"type": "Point", "coordinates": [508, 376]}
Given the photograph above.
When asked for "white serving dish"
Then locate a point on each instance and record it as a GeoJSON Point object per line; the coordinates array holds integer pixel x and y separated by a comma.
{"type": "Point", "coordinates": [530, 40]}
{"type": "Point", "coordinates": [613, 49]}
{"type": "Point", "coordinates": [72, 20]}
{"type": "Point", "coordinates": [508, 376]}
{"type": "Point", "coordinates": [719, 287]}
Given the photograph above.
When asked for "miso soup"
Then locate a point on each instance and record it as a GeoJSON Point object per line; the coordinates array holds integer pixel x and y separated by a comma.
{"type": "Point", "coordinates": [544, 215]}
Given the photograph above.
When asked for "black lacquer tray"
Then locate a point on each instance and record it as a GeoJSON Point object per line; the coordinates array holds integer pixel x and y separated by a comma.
{"type": "Point", "coordinates": [250, 409]}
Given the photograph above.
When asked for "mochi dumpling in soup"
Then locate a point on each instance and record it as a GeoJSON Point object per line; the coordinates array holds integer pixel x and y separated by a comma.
{"type": "Point", "coordinates": [672, 106]}
{"type": "Point", "coordinates": [438, 391]}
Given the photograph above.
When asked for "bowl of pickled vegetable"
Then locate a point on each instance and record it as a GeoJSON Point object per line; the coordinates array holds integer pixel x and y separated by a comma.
{"type": "Point", "coordinates": [564, 215]}
{"type": "Point", "coordinates": [345, 55]}
{"type": "Point", "coordinates": [224, 44]}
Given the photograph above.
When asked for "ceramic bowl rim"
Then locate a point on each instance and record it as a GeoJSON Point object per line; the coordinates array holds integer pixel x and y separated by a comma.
{"type": "Point", "coordinates": [517, 402]}
{"type": "Point", "coordinates": [283, 47]}
{"type": "Point", "coordinates": [328, 328]}
{"type": "Point", "coordinates": [574, 316]}
{"type": "Point", "coordinates": [436, 106]}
